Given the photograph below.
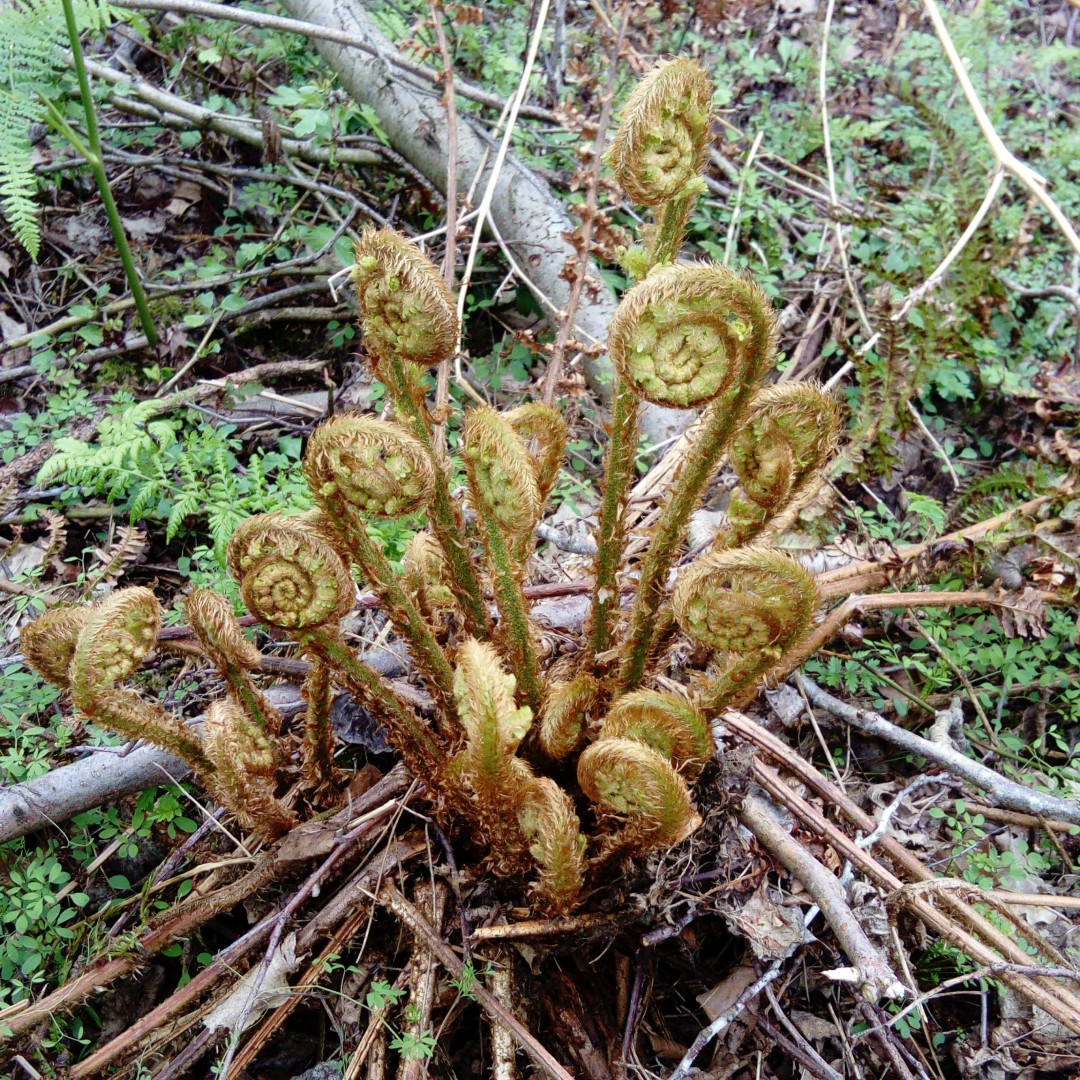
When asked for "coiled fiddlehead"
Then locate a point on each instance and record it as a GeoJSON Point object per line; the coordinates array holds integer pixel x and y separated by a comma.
{"type": "Point", "coordinates": [360, 467]}
{"type": "Point", "coordinates": [407, 310]}
{"type": "Point", "coordinates": [729, 333]}
{"type": "Point", "coordinates": [408, 316]}
{"type": "Point", "coordinates": [630, 780]}
{"type": "Point", "coordinates": [48, 643]}
{"type": "Point", "coordinates": [688, 333]}
{"type": "Point", "coordinates": [752, 606]}
{"type": "Point", "coordinates": [110, 647]}
{"type": "Point", "coordinates": [290, 577]}
{"type": "Point", "coordinates": [778, 455]}
{"type": "Point", "coordinates": [553, 831]}
{"type": "Point", "coordinates": [245, 770]}
{"type": "Point", "coordinates": [661, 145]}
{"type": "Point", "coordinates": [540, 426]}
{"type": "Point", "coordinates": [211, 618]}
{"type": "Point", "coordinates": [504, 489]}
{"type": "Point", "coordinates": [667, 723]}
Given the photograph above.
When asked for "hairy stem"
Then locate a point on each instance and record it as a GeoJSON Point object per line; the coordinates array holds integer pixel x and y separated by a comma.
{"type": "Point", "coordinates": [718, 425]}
{"type": "Point", "coordinates": [445, 522]}
{"type": "Point", "coordinates": [611, 535]}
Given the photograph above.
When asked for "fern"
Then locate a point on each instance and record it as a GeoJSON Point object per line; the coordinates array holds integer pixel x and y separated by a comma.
{"type": "Point", "coordinates": [32, 52]}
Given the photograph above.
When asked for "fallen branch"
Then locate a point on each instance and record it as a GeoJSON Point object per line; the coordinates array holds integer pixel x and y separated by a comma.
{"type": "Point", "coordinates": [1004, 792]}
{"type": "Point", "coordinates": [872, 974]}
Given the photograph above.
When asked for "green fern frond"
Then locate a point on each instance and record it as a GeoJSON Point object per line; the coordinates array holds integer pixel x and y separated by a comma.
{"type": "Point", "coordinates": [32, 58]}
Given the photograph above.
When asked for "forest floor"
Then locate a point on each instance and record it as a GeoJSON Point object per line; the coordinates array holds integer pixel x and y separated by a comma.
{"type": "Point", "coordinates": [841, 178]}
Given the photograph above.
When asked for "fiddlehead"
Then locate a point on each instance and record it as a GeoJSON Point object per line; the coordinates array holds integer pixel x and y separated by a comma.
{"type": "Point", "coordinates": [630, 780]}
{"type": "Point", "coordinates": [291, 578]}
{"type": "Point", "coordinates": [502, 482]}
{"type": "Point", "coordinates": [48, 643]}
{"type": "Point", "coordinates": [407, 310]}
{"type": "Point", "coordinates": [553, 831]}
{"type": "Point", "coordinates": [359, 467]}
{"type": "Point", "coordinates": [752, 606]}
{"type": "Point", "coordinates": [110, 647]}
{"type": "Point", "coordinates": [428, 581]}
{"type": "Point", "coordinates": [689, 333]}
{"type": "Point", "coordinates": [667, 723]}
{"type": "Point", "coordinates": [245, 770]}
{"type": "Point", "coordinates": [540, 426]}
{"type": "Point", "coordinates": [661, 146]}
{"type": "Point", "coordinates": [211, 618]}
{"type": "Point", "coordinates": [778, 455]}
{"type": "Point", "coordinates": [719, 331]}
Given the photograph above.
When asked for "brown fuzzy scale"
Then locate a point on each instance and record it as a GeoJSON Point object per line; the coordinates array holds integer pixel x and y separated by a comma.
{"type": "Point", "coordinates": [406, 308]}
{"type": "Point", "coordinates": [549, 822]}
{"type": "Point", "coordinates": [566, 715]}
{"type": "Point", "coordinates": [428, 581]}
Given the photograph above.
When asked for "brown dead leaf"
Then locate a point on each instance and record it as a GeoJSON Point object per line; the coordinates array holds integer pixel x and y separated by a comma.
{"type": "Point", "coordinates": [1021, 612]}
{"type": "Point", "coordinates": [772, 930]}
{"type": "Point", "coordinates": [185, 195]}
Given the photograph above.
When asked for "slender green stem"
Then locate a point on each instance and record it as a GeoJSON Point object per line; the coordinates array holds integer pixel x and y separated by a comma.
{"type": "Point", "coordinates": [97, 167]}
{"type": "Point", "coordinates": [671, 231]}
{"type": "Point", "coordinates": [409, 734]}
{"type": "Point", "coordinates": [251, 701]}
{"type": "Point", "coordinates": [318, 751]}
{"type": "Point", "coordinates": [611, 534]}
{"type": "Point", "coordinates": [445, 523]}
{"type": "Point", "coordinates": [718, 425]}
{"type": "Point", "coordinates": [513, 611]}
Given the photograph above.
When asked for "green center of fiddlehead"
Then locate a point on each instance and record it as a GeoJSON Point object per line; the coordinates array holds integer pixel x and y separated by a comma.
{"type": "Point", "coordinates": [116, 639]}
{"type": "Point", "coordinates": [406, 308]}
{"type": "Point", "coordinates": [372, 466]}
{"type": "Point", "coordinates": [745, 601]}
{"type": "Point", "coordinates": [686, 334]}
{"type": "Point", "coordinates": [289, 576]}
{"type": "Point", "coordinates": [660, 148]}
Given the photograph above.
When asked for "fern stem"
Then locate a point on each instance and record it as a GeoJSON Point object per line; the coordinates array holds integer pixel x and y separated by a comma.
{"type": "Point", "coordinates": [611, 533]}
{"type": "Point", "coordinates": [445, 523]}
{"type": "Point", "coordinates": [95, 161]}
{"type": "Point", "coordinates": [718, 425]}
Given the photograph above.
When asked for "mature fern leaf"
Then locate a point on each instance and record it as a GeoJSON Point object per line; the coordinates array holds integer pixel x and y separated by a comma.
{"type": "Point", "coordinates": [32, 58]}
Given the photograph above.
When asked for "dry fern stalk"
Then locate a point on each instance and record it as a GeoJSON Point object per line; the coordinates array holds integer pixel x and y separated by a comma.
{"type": "Point", "coordinates": [553, 767]}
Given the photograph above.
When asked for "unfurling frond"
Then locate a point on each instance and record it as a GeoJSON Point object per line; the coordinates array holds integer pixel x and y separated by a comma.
{"type": "Point", "coordinates": [494, 725]}
{"type": "Point", "coordinates": [369, 466]}
{"type": "Point", "coordinates": [667, 723]}
{"type": "Point", "coordinates": [538, 423]}
{"type": "Point", "coordinates": [753, 605]}
{"type": "Point", "coordinates": [428, 580]}
{"type": "Point", "coordinates": [406, 309]}
{"type": "Point", "coordinates": [551, 826]}
{"type": "Point", "coordinates": [48, 643]}
{"type": "Point", "coordinates": [502, 478]}
{"type": "Point", "coordinates": [110, 647]}
{"type": "Point", "coordinates": [745, 601]}
{"type": "Point", "coordinates": [687, 334]}
{"type": "Point", "coordinates": [630, 780]}
{"type": "Point", "coordinates": [211, 619]}
{"type": "Point", "coordinates": [662, 142]}
{"type": "Point", "coordinates": [790, 433]}
{"type": "Point", "coordinates": [289, 576]}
